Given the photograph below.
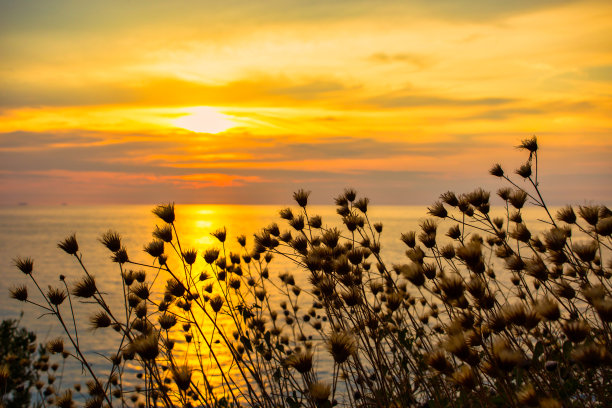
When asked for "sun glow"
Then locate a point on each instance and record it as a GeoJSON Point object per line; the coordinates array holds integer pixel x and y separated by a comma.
{"type": "Point", "coordinates": [204, 119]}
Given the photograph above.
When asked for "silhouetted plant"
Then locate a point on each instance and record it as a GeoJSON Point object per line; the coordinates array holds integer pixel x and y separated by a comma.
{"type": "Point", "coordinates": [486, 310]}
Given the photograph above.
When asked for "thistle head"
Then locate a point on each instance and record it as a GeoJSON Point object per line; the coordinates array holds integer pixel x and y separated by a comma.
{"type": "Point", "coordinates": [341, 345]}
{"type": "Point", "coordinates": [19, 293]}
{"type": "Point", "coordinates": [300, 361]}
{"type": "Point", "coordinates": [182, 377]}
{"type": "Point", "coordinates": [301, 197]}
{"type": "Point", "coordinates": [220, 234]}
{"type": "Point", "coordinates": [69, 245]}
{"type": "Point", "coordinates": [25, 265]}
{"type": "Point", "coordinates": [85, 288]}
{"type": "Point", "coordinates": [56, 296]}
{"type": "Point", "coordinates": [165, 212]}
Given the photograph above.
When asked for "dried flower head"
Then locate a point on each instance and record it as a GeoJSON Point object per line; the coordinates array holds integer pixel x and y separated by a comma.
{"type": "Point", "coordinates": [589, 213]}
{"type": "Point", "coordinates": [216, 302]}
{"type": "Point", "coordinates": [85, 288]}
{"type": "Point", "coordinates": [55, 345]}
{"type": "Point", "coordinates": [301, 197]}
{"type": "Point", "coordinates": [301, 361]}
{"type": "Point", "coordinates": [524, 171]}
{"type": "Point", "coordinates": [141, 290]}
{"type": "Point", "coordinates": [182, 377]}
{"type": "Point", "coordinates": [19, 293]}
{"type": "Point", "coordinates": [220, 234]}
{"type": "Point", "coordinates": [496, 170]}
{"type": "Point", "coordinates": [56, 296]}
{"type": "Point", "coordinates": [155, 248]}
{"type": "Point", "coordinates": [100, 320]}
{"type": "Point", "coordinates": [165, 212]}
{"type": "Point", "coordinates": [69, 245]}
{"type": "Point", "coordinates": [548, 308]}
{"type": "Point", "coordinates": [576, 330]}
{"type": "Point", "coordinates": [527, 396]}
{"type": "Point", "coordinates": [25, 265]}
{"type": "Point", "coordinates": [146, 347]}
{"type": "Point", "coordinates": [111, 240]}
{"type": "Point", "coordinates": [341, 346]}
{"type": "Point", "coordinates": [319, 392]}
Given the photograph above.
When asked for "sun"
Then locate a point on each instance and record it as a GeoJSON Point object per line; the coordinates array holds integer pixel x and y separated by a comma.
{"type": "Point", "coordinates": [204, 119]}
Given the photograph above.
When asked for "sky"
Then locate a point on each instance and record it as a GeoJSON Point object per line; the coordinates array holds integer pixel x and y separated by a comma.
{"type": "Point", "coordinates": [245, 102]}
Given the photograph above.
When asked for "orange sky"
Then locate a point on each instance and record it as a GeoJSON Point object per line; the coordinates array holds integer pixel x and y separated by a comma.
{"type": "Point", "coordinates": [234, 102]}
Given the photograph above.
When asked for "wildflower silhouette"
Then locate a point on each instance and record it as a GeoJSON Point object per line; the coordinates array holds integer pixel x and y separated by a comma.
{"type": "Point", "coordinates": [486, 310]}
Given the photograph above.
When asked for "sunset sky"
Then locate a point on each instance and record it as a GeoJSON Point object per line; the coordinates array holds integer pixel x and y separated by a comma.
{"type": "Point", "coordinates": [241, 101]}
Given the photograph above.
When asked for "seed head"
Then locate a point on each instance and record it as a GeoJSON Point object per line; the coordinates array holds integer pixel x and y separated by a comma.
{"type": "Point", "coordinates": [555, 238]}
{"type": "Point", "coordinates": [120, 256]}
{"type": "Point", "coordinates": [438, 361]}
{"type": "Point", "coordinates": [452, 286]}
{"type": "Point", "coordinates": [234, 283]}
{"type": "Point", "coordinates": [496, 170]}
{"type": "Point", "coordinates": [524, 171]}
{"type": "Point", "coordinates": [362, 204]}
{"type": "Point", "coordinates": [19, 293]}
{"type": "Point", "coordinates": [350, 194]}
{"type": "Point", "coordinates": [165, 212]}
{"type": "Point", "coordinates": [341, 346]}
{"type": "Point", "coordinates": [55, 345]}
{"type": "Point", "coordinates": [175, 288]}
{"type": "Point", "coordinates": [301, 197]}
{"type": "Point", "coordinates": [548, 308]}
{"type": "Point", "coordinates": [586, 251]}
{"type": "Point", "coordinates": [413, 272]}
{"type": "Point", "coordinates": [216, 303]}
{"type": "Point", "coordinates": [409, 238]}
{"type": "Point", "coordinates": [567, 215]}
{"type": "Point", "coordinates": [140, 276]}
{"type": "Point", "coordinates": [164, 233]}
{"type": "Point", "coordinates": [527, 396]}
{"type": "Point", "coordinates": [301, 361]}
{"type": "Point", "coordinates": [531, 145]}
{"type": "Point", "coordinates": [111, 240]}
{"type": "Point", "coordinates": [146, 347]}
{"type": "Point", "coordinates": [286, 214]}
{"type": "Point", "coordinates": [141, 290]}
{"type": "Point", "coordinates": [352, 297]}
{"type": "Point", "coordinates": [450, 198]}
{"type": "Point", "coordinates": [576, 330]}
{"type": "Point", "coordinates": [437, 210]}
{"type": "Point", "coordinates": [320, 392]}
{"type": "Point", "coordinates": [182, 377]}
{"type": "Point", "coordinates": [69, 245]}
{"type": "Point", "coordinates": [604, 308]}
{"type": "Point", "coordinates": [454, 232]}
{"type": "Point", "coordinates": [465, 377]}
{"type": "Point", "coordinates": [85, 288]}
{"type": "Point", "coordinates": [100, 320]}
{"type": "Point", "coordinates": [155, 248]}
{"type": "Point", "coordinates": [604, 227]}
{"type": "Point", "coordinates": [56, 296]}
{"type": "Point", "coordinates": [190, 256]}
{"type": "Point", "coordinates": [297, 223]}
{"type": "Point", "coordinates": [589, 213]}
{"type": "Point", "coordinates": [65, 400]}
{"type": "Point", "coordinates": [518, 199]}
{"type": "Point", "coordinates": [220, 234]}
{"type": "Point", "coordinates": [25, 265]}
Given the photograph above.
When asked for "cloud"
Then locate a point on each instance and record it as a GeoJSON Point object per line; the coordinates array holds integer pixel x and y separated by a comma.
{"type": "Point", "coordinates": [256, 90]}
{"type": "Point", "coordinates": [418, 60]}
{"type": "Point", "coordinates": [401, 100]}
